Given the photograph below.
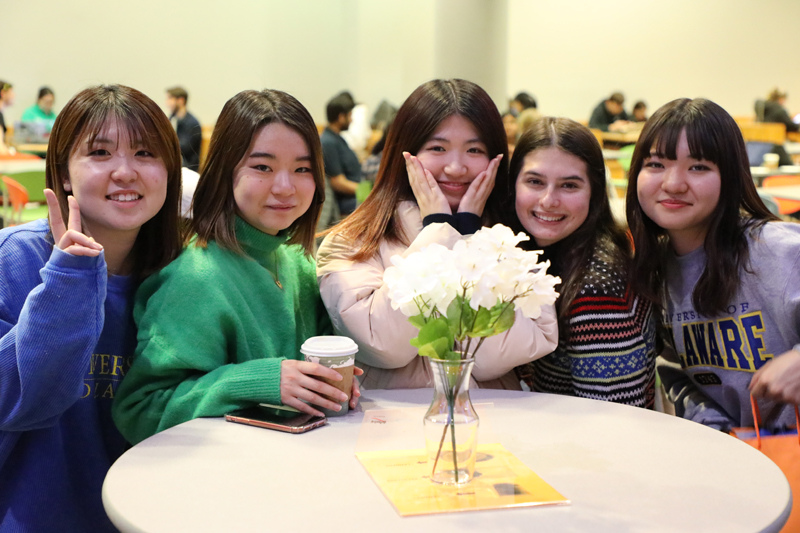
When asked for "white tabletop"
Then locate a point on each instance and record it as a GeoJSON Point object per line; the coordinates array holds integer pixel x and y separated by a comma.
{"type": "Point", "coordinates": [609, 153]}
{"type": "Point", "coordinates": [14, 166]}
{"type": "Point", "coordinates": [791, 147]}
{"type": "Point", "coordinates": [624, 469]}
{"type": "Point", "coordinates": [788, 192]}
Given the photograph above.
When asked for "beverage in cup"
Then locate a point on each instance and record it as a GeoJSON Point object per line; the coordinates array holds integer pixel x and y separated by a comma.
{"type": "Point", "coordinates": [339, 354]}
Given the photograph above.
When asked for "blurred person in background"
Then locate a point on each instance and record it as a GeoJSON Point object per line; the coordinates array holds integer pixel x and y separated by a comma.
{"type": "Point", "coordinates": [190, 134]}
{"type": "Point", "coordinates": [520, 103]}
{"type": "Point", "coordinates": [609, 115]}
{"type": "Point", "coordinates": [342, 168]}
{"type": "Point", "coordinates": [524, 107]}
{"type": "Point", "coordinates": [358, 133]}
{"type": "Point", "coordinates": [772, 110]}
{"type": "Point", "coordinates": [512, 131]}
{"type": "Point", "coordinates": [371, 165]}
{"type": "Point", "coordinates": [42, 111]}
{"type": "Point", "coordinates": [6, 99]}
{"type": "Point", "coordinates": [639, 112]}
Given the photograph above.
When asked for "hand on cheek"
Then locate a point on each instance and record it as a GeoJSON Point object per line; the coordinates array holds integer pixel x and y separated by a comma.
{"type": "Point", "coordinates": [474, 200]}
{"type": "Point", "coordinates": [429, 196]}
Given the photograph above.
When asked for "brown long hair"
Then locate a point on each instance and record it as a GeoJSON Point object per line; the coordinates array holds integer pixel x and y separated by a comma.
{"type": "Point", "coordinates": [712, 135]}
{"type": "Point", "coordinates": [599, 227]}
{"type": "Point", "coordinates": [81, 120]}
{"type": "Point", "coordinates": [416, 120]}
{"type": "Point", "coordinates": [214, 206]}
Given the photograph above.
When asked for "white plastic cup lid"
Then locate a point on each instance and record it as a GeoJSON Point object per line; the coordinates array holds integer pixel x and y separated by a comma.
{"type": "Point", "coordinates": [329, 346]}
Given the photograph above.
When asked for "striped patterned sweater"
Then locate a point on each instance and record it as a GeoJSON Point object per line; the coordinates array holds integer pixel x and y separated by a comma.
{"type": "Point", "coordinates": [610, 351]}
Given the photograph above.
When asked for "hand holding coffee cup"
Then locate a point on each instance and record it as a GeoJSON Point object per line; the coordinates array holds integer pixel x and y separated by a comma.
{"type": "Point", "coordinates": [339, 355]}
{"type": "Point", "coordinates": [302, 387]}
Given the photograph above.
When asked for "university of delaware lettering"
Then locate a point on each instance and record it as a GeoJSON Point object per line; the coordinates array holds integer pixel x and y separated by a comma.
{"type": "Point", "coordinates": [731, 343]}
{"type": "Point", "coordinates": [105, 374]}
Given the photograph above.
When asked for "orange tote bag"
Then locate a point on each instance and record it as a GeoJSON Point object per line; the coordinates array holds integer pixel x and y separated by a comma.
{"type": "Point", "coordinates": [784, 450]}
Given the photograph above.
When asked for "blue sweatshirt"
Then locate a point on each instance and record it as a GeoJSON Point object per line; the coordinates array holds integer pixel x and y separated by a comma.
{"type": "Point", "coordinates": [67, 340]}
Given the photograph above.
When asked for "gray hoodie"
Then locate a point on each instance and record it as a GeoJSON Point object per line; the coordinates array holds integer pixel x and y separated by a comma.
{"type": "Point", "coordinates": [715, 357]}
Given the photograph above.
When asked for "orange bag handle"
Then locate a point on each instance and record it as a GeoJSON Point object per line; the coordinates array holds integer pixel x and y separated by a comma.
{"type": "Point", "coordinates": [757, 418]}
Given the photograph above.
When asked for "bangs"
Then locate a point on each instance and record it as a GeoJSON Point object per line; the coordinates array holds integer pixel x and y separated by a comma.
{"type": "Point", "coordinates": [704, 141]}
{"type": "Point", "coordinates": [138, 125]}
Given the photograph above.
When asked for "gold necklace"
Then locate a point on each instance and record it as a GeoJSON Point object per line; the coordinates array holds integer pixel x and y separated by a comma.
{"type": "Point", "coordinates": [277, 272]}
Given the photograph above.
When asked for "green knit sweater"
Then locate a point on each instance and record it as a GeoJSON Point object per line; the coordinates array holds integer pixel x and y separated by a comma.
{"type": "Point", "coordinates": [213, 330]}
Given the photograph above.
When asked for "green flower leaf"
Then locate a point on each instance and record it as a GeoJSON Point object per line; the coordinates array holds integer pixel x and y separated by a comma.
{"type": "Point", "coordinates": [417, 321]}
{"type": "Point", "coordinates": [492, 321]}
{"type": "Point", "coordinates": [482, 326]}
{"type": "Point", "coordinates": [459, 316]}
{"type": "Point", "coordinates": [435, 339]}
{"type": "Point", "coordinates": [503, 316]}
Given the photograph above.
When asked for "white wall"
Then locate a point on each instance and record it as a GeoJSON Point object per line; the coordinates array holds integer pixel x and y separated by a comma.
{"type": "Point", "coordinates": [309, 48]}
{"type": "Point", "coordinates": [569, 53]}
{"type": "Point", "coordinates": [573, 53]}
{"type": "Point", "coordinates": [470, 43]}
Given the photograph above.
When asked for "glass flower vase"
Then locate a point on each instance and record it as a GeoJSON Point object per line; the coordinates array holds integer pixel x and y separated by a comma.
{"type": "Point", "coordinates": [451, 424]}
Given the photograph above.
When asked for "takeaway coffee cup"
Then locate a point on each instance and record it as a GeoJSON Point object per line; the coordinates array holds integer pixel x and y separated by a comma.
{"type": "Point", "coordinates": [771, 160]}
{"type": "Point", "coordinates": [338, 353]}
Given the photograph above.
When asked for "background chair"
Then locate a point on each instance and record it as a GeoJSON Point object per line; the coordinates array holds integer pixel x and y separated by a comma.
{"type": "Point", "coordinates": [15, 196]}
{"type": "Point", "coordinates": [771, 132]}
{"type": "Point", "coordinates": [33, 181]}
{"type": "Point", "coordinates": [785, 207]}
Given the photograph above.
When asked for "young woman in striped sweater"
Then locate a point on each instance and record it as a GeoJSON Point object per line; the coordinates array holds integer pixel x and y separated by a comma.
{"type": "Point", "coordinates": [606, 347]}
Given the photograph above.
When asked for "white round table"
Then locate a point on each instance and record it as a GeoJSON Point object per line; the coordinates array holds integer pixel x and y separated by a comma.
{"type": "Point", "coordinates": [624, 469]}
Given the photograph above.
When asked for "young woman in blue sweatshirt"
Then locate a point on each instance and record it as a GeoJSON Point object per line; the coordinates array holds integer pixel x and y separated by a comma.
{"type": "Point", "coordinates": [113, 173]}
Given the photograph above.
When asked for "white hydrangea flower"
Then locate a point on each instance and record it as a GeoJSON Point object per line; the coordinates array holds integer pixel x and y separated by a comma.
{"type": "Point", "coordinates": [486, 268]}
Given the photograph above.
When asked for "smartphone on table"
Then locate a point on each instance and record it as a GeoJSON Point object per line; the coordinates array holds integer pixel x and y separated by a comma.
{"type": "Point", "coordinates": [279, 418]}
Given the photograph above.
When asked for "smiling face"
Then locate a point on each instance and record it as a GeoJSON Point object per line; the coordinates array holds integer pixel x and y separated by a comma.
{"type": "Point", "coordinates": [553, 193]}
{"type": "Point", "coordinates": [273, 185]}
{"type": "Point", "coordinates": [454, 155]}
{"type": "Point", "coordinates": [118, 187]}
{"type": "Point", "coordinates": [679, 195]}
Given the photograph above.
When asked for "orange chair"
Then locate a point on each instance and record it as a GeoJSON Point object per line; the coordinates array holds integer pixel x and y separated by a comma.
{"type": "Point", "coordinates": [15, 196]}
{"type": "Point", "coordinates": [785, 207]}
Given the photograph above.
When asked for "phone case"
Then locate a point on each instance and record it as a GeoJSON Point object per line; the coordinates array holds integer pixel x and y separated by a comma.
{"type": "Point", "coordinates": [314, 423]}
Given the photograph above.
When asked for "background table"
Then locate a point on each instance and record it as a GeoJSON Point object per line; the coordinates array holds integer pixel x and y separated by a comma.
{"type": "Point", "coordinates": [625, 469]}
{"type": "Point", "coordinates": [789, 192]}
{"type": "Point", "coordinates": [619, 137]}
{"type": "Point", "coordinates": [14, 166]}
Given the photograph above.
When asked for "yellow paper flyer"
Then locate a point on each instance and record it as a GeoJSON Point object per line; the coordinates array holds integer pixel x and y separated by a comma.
{"type": "Point", "coordinates": [501, 481]}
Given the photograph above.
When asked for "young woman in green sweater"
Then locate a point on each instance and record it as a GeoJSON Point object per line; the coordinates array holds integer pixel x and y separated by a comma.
{"type": "Point", "coordinates": [221, 327]}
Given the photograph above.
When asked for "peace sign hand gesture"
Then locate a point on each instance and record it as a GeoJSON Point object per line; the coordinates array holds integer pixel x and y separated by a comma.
{"type": "Point", "coordinates": [70, 239]}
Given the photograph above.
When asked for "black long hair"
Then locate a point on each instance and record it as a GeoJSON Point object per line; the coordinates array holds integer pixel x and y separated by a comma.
{"type": "Point", "coordinates": [416, 120]}
{"type": "Point", "coordinates": [714, 136]}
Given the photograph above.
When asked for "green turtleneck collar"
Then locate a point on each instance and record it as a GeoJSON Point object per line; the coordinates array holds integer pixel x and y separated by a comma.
{"type": "Point", "coordinates": [259, 245]}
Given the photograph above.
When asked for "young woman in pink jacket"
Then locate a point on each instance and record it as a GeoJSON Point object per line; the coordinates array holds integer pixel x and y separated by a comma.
{"type": "Point", "coordinates": [444, 174]}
